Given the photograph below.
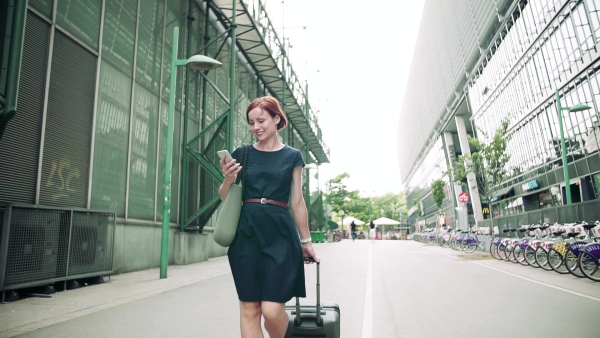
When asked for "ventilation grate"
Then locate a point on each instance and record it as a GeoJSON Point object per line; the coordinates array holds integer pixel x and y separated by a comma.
{"type": "Point", "coordinates": [91, 243]}
{"type": "Point", "coordinates": [37, 245]}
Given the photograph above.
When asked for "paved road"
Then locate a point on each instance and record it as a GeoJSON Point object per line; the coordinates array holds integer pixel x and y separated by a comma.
{"type": "Point", "coordinates": [384, 289]}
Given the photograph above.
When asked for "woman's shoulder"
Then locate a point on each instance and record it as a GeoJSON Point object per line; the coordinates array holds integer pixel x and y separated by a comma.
{"type": "Point", "coordinates": [237, 153]}
{"type": "Point", "coordinates": [290, 149]}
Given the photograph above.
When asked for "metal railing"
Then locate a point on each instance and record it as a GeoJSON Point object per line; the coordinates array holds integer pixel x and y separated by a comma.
{"type": "Point", "coordinates": [584, 211]}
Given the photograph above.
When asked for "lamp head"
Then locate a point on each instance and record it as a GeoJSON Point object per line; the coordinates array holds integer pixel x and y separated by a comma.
{"type": "Point", "coordinates": [579, 107]}
{"type": "Point", "coordinates": [202, 62]}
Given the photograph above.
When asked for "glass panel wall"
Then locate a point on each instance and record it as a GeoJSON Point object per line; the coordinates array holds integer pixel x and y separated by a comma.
{"type": "Point", "coordinates": [543, 47]}
{"type": "Point", "coordinates": [113, 108]}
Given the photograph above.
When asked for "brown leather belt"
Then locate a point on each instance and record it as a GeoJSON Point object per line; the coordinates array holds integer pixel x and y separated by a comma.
{"type": "Point", "coordinates": [266, 201]}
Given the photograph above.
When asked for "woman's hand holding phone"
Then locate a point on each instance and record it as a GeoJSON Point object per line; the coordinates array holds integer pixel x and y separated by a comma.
{"type": "Point", "coordinates": [229, 167]}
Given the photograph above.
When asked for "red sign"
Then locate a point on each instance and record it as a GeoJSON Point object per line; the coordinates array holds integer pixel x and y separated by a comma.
{"type": "Point", "coordinates": [463, 197]}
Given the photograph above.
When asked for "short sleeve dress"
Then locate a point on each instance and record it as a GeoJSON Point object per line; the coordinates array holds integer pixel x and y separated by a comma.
{"type": "Point", "coordinates": [266, 255]}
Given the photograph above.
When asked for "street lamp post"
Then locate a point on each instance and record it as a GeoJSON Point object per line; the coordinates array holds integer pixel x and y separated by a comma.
{"type": "Point", "coordinates": [197, 62]}
{"type": "Point", "coordinates": [574, 108]}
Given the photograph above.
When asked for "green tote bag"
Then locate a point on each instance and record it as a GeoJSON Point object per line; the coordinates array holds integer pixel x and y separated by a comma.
{"type": "Point", "coordinates": [229, 215]}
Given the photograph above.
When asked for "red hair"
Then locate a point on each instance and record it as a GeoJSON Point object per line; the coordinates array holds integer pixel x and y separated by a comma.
{"type": "Point", "coordinates": [270, 105]}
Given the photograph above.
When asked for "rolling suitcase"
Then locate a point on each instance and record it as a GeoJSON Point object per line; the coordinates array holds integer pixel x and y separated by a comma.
{"type": "Point", "coordinates": [313, 319]}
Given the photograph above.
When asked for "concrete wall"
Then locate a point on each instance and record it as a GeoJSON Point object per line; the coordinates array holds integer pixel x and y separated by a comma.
{"type": "Point", "coordinates": [138, 246]}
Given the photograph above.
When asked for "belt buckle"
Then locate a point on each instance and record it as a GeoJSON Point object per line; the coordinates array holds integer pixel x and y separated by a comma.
{"type": "Point", "coordinates": [263, 201]}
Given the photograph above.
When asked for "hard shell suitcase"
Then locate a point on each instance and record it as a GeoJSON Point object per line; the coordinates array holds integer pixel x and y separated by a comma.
{"type": "Point", "coordinates": [310, 318]}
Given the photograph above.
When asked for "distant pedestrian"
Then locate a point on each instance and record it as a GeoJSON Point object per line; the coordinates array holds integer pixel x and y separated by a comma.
{"type": "Point", "coordinates": [353, 229]}
{"type": "Point", "coordinates": [372, 231]}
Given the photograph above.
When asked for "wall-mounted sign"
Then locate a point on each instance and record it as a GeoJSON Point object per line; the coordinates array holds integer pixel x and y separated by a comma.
{"type": "Point", "coordinates": [530, 185]}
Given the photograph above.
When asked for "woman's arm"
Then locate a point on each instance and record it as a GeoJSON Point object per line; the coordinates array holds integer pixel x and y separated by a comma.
{"type": "Point", "coordinates": [301, 213]}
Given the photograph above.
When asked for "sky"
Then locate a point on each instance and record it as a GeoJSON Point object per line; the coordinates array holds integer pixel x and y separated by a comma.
{"type": "Point", "coordinates": [356, 57]}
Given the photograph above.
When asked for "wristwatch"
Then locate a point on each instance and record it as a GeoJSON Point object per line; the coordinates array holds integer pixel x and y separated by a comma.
{"type": "Point", "coordinates": [306, 240]}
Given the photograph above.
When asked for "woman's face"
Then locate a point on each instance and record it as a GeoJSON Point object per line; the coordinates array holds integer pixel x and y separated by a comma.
{"type": "Point", "coordinates": [262, 124]}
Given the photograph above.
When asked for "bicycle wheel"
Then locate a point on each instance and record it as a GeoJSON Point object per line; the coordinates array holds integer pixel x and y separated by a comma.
{"type": "Point", "coordinates": [541, 257]}
{"type": "Point", "coordinates": [519, 254]}
{"type": "Point", "coordinates": [589, 266]}
{"type": "Point", "coordinates": [502, 252]}
{"type": "Point", "coordinates": [469, 248]}
{"type": "Point", "coordinates": [530, 257]}
{"type": "Point", "coordinates": [508, 250]}
{"type": "Point", "coordinates": [571, 261]}
{"type": "Point", "coordinates": [443, 242]}
{"type": "Point", "coordinates": [556, 261]}
{"type": "Point", "coordinates": [510, 254]}
{"type": "Point", "coordinates": [494, 250]}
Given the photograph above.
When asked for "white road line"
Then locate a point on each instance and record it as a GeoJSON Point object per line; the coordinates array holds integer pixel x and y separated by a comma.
{"type": "Point", "coordinates": [541, 283]}
{"type": "Point", "coordinates": [529, 279]}
{"type": "Point", "coordinates": [367, 327]}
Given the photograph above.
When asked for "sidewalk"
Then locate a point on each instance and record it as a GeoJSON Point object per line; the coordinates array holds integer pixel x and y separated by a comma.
{"type": "Point", "coordinates": [33, 313]}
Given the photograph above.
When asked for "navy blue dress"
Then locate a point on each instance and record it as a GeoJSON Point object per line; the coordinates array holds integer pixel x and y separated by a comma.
{"type": "Point", "coordinates": [266, 254]}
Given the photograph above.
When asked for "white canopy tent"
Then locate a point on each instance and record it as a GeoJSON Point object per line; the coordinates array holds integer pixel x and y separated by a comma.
{"type": "Point", "coordinates": [382, 222]}
{"type": "Point", "coordinates": [385, 221]}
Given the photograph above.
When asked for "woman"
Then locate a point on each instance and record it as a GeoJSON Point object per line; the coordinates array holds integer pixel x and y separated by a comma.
{"type": "Point", "coordinates": [266, 256]}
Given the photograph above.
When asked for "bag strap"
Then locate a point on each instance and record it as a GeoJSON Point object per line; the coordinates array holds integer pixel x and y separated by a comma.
{"type": "Point", "coordinates": [242, 176]}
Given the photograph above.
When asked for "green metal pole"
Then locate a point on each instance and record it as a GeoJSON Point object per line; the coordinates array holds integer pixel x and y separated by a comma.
{"type": "Point", "coordinates": [164, 248]}
{"type": "Point", "coordinates": [15, 52]}
{"type": "Point", "coordinates": [183, 192]}
{"type": "Point", "coordinates": [564, 150]}
{"type": "Point", "coordinates": [232, 110]}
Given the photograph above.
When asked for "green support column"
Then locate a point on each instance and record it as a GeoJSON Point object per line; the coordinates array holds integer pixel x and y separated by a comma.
{"type": "Point", "coordinates": [14, 62]}
{"type": "Point", "coordinates": [164, 248]}
{"type": "Point", "coordinates": [564, 150]}
{"type": "Point", "coordinates": [232, 111]}
{"type": "Point", "coordinates": [183, 192]}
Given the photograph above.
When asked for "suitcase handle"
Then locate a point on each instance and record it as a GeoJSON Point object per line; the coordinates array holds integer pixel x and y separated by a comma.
{"type": "Point", "coordinates": [319, 320]}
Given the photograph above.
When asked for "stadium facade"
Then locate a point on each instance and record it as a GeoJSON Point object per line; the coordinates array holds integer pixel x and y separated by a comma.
{"type": "Point", "coordinates": [85, 89]}
{"type": "Point", "coordinates": [479, 62]}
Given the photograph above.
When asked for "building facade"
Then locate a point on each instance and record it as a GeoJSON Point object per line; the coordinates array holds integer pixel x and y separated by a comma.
{"type": "Point", "coordinates": [85, 89]}
{"type": "Point", "coordinates": [495, 60]}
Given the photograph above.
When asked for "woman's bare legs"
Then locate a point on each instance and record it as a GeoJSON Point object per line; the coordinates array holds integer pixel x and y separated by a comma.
{"type": "Point", "coordinates": [276, 319]}
{"type": "Point", "coordinates": [250, 314]}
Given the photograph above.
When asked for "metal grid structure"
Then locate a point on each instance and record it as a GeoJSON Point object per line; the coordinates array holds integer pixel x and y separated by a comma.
{"type": "Point", "coordinates": [42, 245]}
{"type": "Point", "coordinates": [260, 45]}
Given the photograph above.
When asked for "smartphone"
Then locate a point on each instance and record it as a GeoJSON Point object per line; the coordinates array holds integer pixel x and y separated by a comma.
{"type": "Point", "coordinates": [225, 153]}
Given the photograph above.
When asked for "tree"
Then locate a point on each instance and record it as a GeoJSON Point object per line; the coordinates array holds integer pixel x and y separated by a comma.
{"type": "Point", "coordinates": [488, 162]}
{"type": "Point", "coordinates": [364, 208]}
{"type": "Point", "coordinates": [437, 192]}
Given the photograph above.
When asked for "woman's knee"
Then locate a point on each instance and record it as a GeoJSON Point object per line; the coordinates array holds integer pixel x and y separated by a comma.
{"type": "Point", "coordinates": [250, 309]}
{"type": "Point", "coordinates": [272, 310]}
